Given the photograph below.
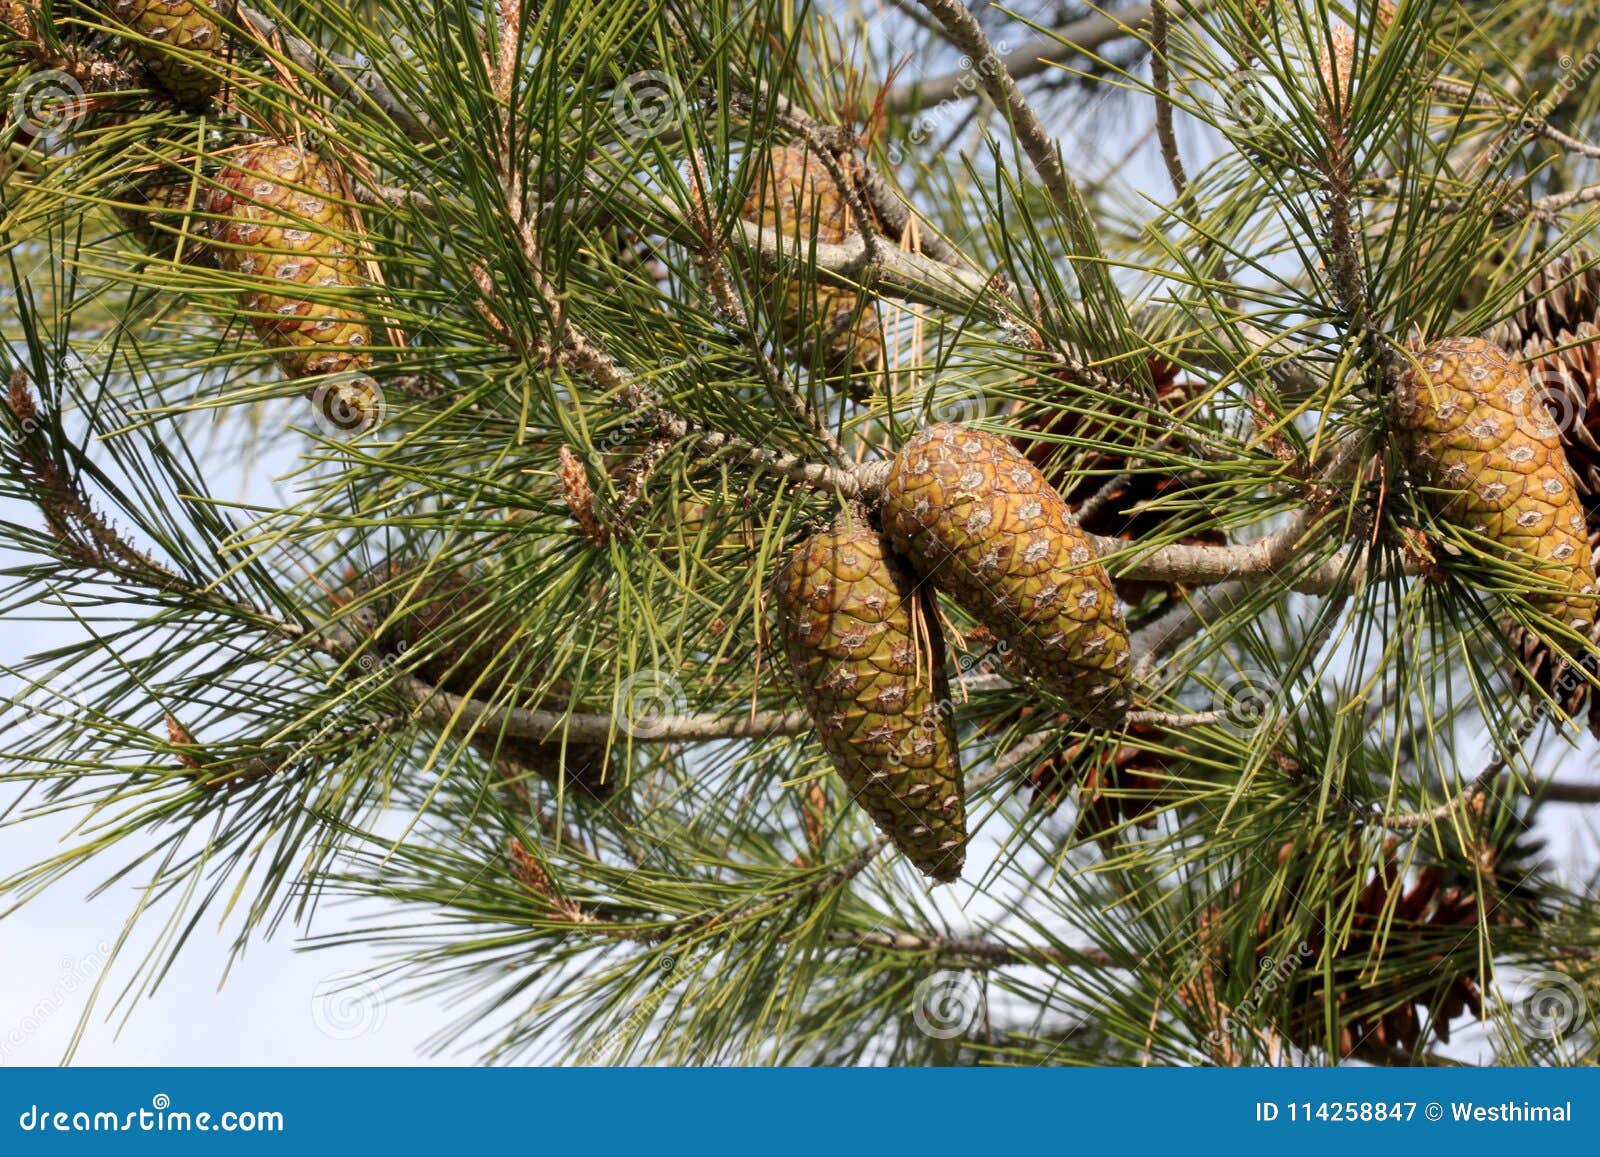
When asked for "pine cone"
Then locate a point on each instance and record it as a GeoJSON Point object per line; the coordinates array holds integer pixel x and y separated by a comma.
{"type": "Point", "coordinates": [188, 25]}
{"type": "Point", "coordinates": [444, 613]}
{"type": "Point", "coordinates": [796, 197]}
{"type": "Point", "coordinates": [1557, 332]}
{"type": "Point", "coordinates": [278, 204]}
{"type": "Point", "coordinates": [866, 655]}
{"type": "Point", "coordinates": [1381, 1015]}
{"type": "Point", "coordinates": [979, 519]}
{"type": "Point", "coordinates": [1491, 458]}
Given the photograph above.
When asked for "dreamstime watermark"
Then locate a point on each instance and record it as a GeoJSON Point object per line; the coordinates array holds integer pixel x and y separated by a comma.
{"type": "Point", "coordinates": [1247, 697]}
{"type": "Point", "coordinates": [1272, 974]}
{"type": "Point", "coordinates": [955, 402]}
{"type": "Point", "coordinates": [646, 104]}
{"type": "Point", "coordinates": [348, 405]}
{"type": "Point", "coordinates": [1243, 99]}
{"type": "Point", "coordinates": [638, 1017]}
{"type": "Point", "coordinates": [646, 700]}
{"type": "Point", "coordinates": [969, 79]}
{"type": "Point", "coordinates": [37, 704]}
{"type": "Point", "coordinates": [347, 1005]}
{"type": "Point", "coordinates": [160, 1117]}
{"type": "Point", "coordinates": [1550, 1004]}
{"type": "Point", "coordinates": [46, 108]}
{"type": "Point", "coordinates": [1577, 73]}
{"type": "Point", "coordinates": [947, 1004]}
{"type": "Point", "coordinates": [77, 973]}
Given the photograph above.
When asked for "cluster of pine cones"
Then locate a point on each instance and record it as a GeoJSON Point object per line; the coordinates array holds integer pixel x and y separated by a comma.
{"type": "Point", "coordinates": [964, 512]}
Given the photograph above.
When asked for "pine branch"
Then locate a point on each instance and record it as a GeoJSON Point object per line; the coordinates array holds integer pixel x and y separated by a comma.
{"type": "Point", "coordinates": [1080, 38]}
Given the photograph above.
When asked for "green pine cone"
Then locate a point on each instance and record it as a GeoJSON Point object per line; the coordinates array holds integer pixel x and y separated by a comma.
{"type": "Point", "coordinates": [281, 225]}
{"type": "Point", "coordinates": [1491, 461]}
{"type": "Point", "coordinates": [866, 655]}
{"type": "Point", "coordinates": [188, 25]}
{"type": "Point", "coordinates": [978, 518]}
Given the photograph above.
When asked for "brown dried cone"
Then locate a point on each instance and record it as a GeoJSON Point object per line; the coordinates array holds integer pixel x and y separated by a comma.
{"type": "Point", "coordinates": [282, 224]}
{"type": "Point", "coordinates": [980, 521]}
{"type": "Point", "coordinates": [1490, 459]}
{"type": "Point", "coordinates": [190, 27]}
{"type": "Point", "coordinates": [795, 196]}
{"type": "Point", "coordinates": [1557, 332]}
{"type": "Point", "coordinates": [445, 613]}
{"type": "Point", "coordinates": [164, 216]}
{"type": "Point", "coordinates": [867, 658]}
{"type": "Point", "coordinates": [1382, 1012]}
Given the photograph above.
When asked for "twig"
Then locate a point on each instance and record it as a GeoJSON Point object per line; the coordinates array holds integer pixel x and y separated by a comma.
{"type": "Point", "coordinates": [1411, 821]}
{"type": "Point", "coordinates": [1080, 38]}
{"type": "Point", "coordinates": [1532, 125]}
{"type": "Point", "coordinates": [1161, 78]}
{"type": "Point", "coordinates": [346, 76]}
{"type": "Point", "coordinates": [974, 950]}
{"type": "Point", "coordinates": [1176, 720]}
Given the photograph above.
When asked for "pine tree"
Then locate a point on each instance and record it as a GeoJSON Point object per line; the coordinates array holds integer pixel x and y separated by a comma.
{"type": "Point", "coordinates": [562, 395]}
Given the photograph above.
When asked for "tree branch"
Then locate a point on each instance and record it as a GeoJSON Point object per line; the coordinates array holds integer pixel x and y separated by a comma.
{"type": "Point", "coordinates": [1080, 38]}
{"type": "Point", "coordinates": [981, 952]}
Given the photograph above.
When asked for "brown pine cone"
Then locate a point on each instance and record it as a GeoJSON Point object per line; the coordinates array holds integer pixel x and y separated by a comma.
{"type": "Point", "coordinates": [866, 655]}
{"type": "Point", "coordinates": [980, 521]}
{"type": "Point", "coordinates": [176, 39]}
{"type": "Point", "coordinates": [1491, 461]}
{"type": "Point", "coordinates": [797, 197]}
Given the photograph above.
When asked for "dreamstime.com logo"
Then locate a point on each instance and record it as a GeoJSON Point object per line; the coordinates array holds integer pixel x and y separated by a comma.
{"type": "Point", "coordinates": [160, 1117]}
{"type": "Point", "coordinates": [348, 405]}
{"type": "Point", "coordinates": [639, 1016]}
{"type": "Point", "coordinates": [46, 108]}
{"type": "Point", "coordinates": [647, 104]}
{"type": "Point", "coordinates": [646, 701]}
{"type": "Point", "coordinates": [35, 705]}
{"type": "Point", "coordinates": [1273, 974]}
{"type": "Point", "coordinates": [347, 1005]}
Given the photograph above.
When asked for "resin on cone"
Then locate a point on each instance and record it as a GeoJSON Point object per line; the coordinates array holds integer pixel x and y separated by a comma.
{"type": "Point", "coordinates": [189, 26]}
{"type": "Point", "coordinates": [797, 197]}
{"type": "Point", "coordinates": [979, 520]}
{"type": "Point", "coordinates": [283, 226]}
{"type": "Point", "coordinates": [867, 658]}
